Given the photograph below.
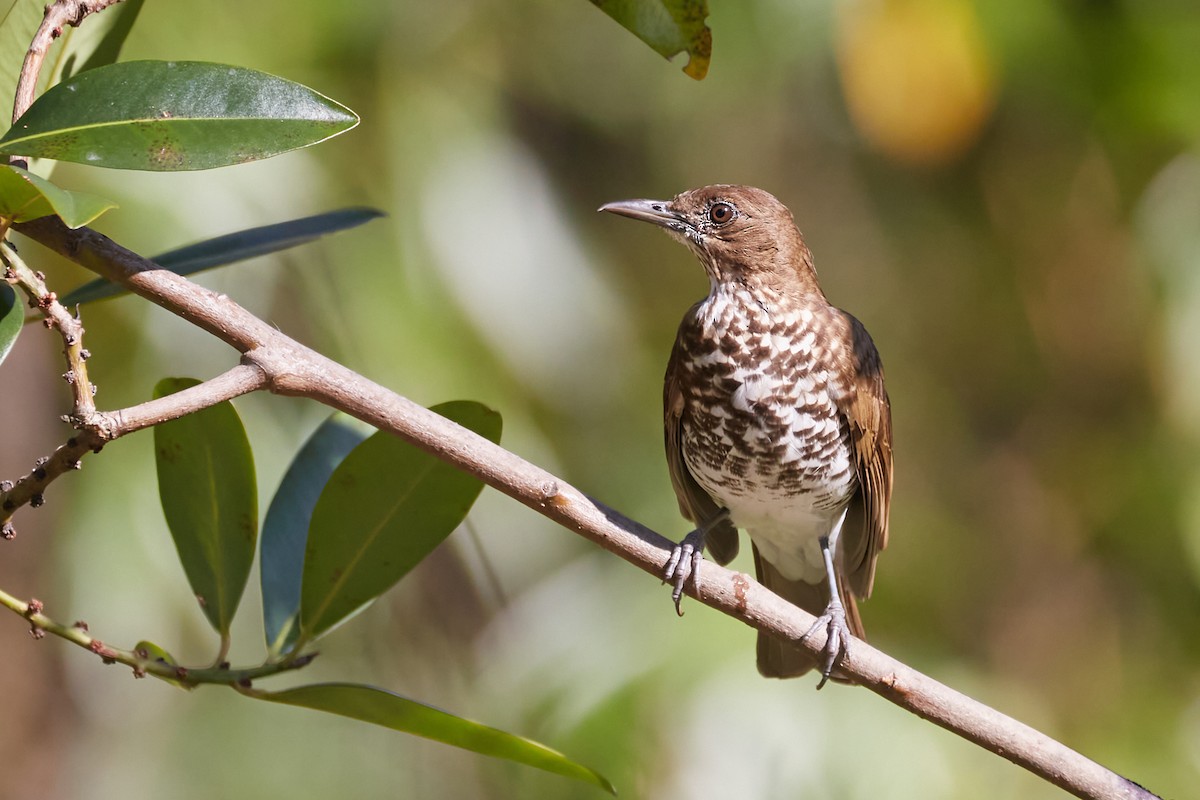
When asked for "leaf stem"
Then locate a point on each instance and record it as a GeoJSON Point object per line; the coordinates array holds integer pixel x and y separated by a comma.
{"type": "Point", "coordinates": [223, 650]}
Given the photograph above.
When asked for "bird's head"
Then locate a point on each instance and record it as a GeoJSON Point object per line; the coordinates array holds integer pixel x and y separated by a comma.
{"type": "Point", "coordinates": [739, 233]}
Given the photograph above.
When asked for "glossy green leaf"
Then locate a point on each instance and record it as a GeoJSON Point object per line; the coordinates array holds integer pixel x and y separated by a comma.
{"type": "Point", "coordinates": [387, 505]}
{"type": "Point", "coordinates": [25, 196]}
{"type": "Point", "coordinates": [285, 529]}
{"type": "Point", "coordinates": [19, 20]}
{"type": "Point", "coordinates": [381, 707]}
{"type": "Point", "coordinates": [234, 247]}
{"type": "Point", "coordinates": [206, 484]}
{"type": "Point", "coordinates": [12, 319]}
{"type": "Point", "coordinates": [173, 115]}
{"type": "Point", "coordinates": [668, 26]}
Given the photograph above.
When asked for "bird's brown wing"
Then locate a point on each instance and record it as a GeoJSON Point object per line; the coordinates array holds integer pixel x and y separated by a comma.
{"type": "Point", "coordinates": [694, 503]}
{"type": "Point", "coordinates": [869, 416]}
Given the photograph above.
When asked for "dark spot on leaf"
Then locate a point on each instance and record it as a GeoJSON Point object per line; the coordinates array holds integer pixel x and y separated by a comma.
{"type": "Point", "coordinates": [164, 154]}
{"type": "Point", "coordinates": [170, 452]}
{"type": "Point", "coordinates": [59, 146]}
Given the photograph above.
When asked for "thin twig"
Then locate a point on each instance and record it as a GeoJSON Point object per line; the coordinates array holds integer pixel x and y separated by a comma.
{"type": "Point", "coordinates": [30, 488]}
{"type": "Point", "coordinates": [142, 662]}
{"type": "Point", "coordinates": [57, 317]}
{"type": "Point", "coordinates": [293, 369]}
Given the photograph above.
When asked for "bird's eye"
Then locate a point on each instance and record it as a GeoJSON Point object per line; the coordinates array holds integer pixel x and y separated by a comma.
{"type": "Point", "coordinates": [720, 213]}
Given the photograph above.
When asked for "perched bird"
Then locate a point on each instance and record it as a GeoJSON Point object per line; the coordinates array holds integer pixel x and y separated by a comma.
{"type": "Point", "coordinates": [777, 421]}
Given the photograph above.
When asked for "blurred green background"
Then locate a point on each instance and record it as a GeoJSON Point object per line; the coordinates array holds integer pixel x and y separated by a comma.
{"type": "Point", "coordinates": [1006, 193]}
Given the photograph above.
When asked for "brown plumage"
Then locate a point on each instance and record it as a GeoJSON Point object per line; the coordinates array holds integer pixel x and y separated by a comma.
{"type": "Point", "coordinates": [776, 417]}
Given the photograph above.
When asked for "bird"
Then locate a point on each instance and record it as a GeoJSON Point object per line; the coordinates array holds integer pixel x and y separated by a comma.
{"type": "Point", "coordinates": [776, 420]}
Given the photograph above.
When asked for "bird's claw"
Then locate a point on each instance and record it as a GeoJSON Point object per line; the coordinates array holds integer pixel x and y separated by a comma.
{"type": "Point", "coordinates": [837, 638]}
{"type": "Point", "coordinates": [684, 565]}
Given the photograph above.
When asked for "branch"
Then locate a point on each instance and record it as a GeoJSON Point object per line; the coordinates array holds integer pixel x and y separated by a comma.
{"type": "Point", "coordinates": [293, 369]}
{"type": "Point", "coordinates": [96, 428]}
{"type": "Point", "coordinates": [99, 428]}
{"type": "Point", "coordinates": [58, 14]}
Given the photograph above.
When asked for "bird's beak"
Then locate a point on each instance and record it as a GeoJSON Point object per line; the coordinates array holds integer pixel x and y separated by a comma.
{"type": "Point", "coordinates": [656, 211]}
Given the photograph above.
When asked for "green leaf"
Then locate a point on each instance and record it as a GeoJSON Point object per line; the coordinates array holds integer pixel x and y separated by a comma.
{"type": "Point", "coordinates": [19, 20]}
{"type": "Point", "coordinates": [668, 26]}
{"type": "Point", "coordinates": [206, 484]}
{"type": "Point", "coordinates": [96, 43]}
{"type": "Point", "coordinates": [233, 247]}
{"type": "Point", "coordinates": [150, 652]}
{"type": "Point", "coordinates": [285, 529]}
{"type": "Point", "coordinates": [20, 200]}
{"type": "Point", "coordinates": [25, 196]}
{"type": "Point", "coordinates": [173, 115]}
{"type": "Point", "coordinates": [381, 707]}
{"type": "Point", "coordinates": [387, 505]}
{"type": "Point", "coordinates": [12, 319]}
{"type": "Point", "coordinates": [153, 652]}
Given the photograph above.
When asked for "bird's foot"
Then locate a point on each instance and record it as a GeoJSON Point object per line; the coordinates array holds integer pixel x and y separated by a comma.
{"type": "Point", "coordinates": [837, 637]}
{"type": "Point", "coordinates": [684, 565]}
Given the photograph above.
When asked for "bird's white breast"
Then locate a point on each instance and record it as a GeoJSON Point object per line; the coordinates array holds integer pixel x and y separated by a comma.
{"type": "Point", "coordinates": [762, 431]}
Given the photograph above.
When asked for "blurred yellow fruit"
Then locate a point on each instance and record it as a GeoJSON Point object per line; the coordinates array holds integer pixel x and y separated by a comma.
{"type": "Point", "coordinates": [916, 75]}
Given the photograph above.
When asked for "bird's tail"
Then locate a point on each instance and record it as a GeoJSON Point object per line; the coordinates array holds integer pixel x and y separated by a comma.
{"type": "Point", "coordinates": [779, 659]}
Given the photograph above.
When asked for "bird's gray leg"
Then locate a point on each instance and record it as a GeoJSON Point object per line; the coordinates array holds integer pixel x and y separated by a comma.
{"type": "Point", "coordinates": [833, 620]}
{"type": "Point", "coordinates": [685, 559]}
